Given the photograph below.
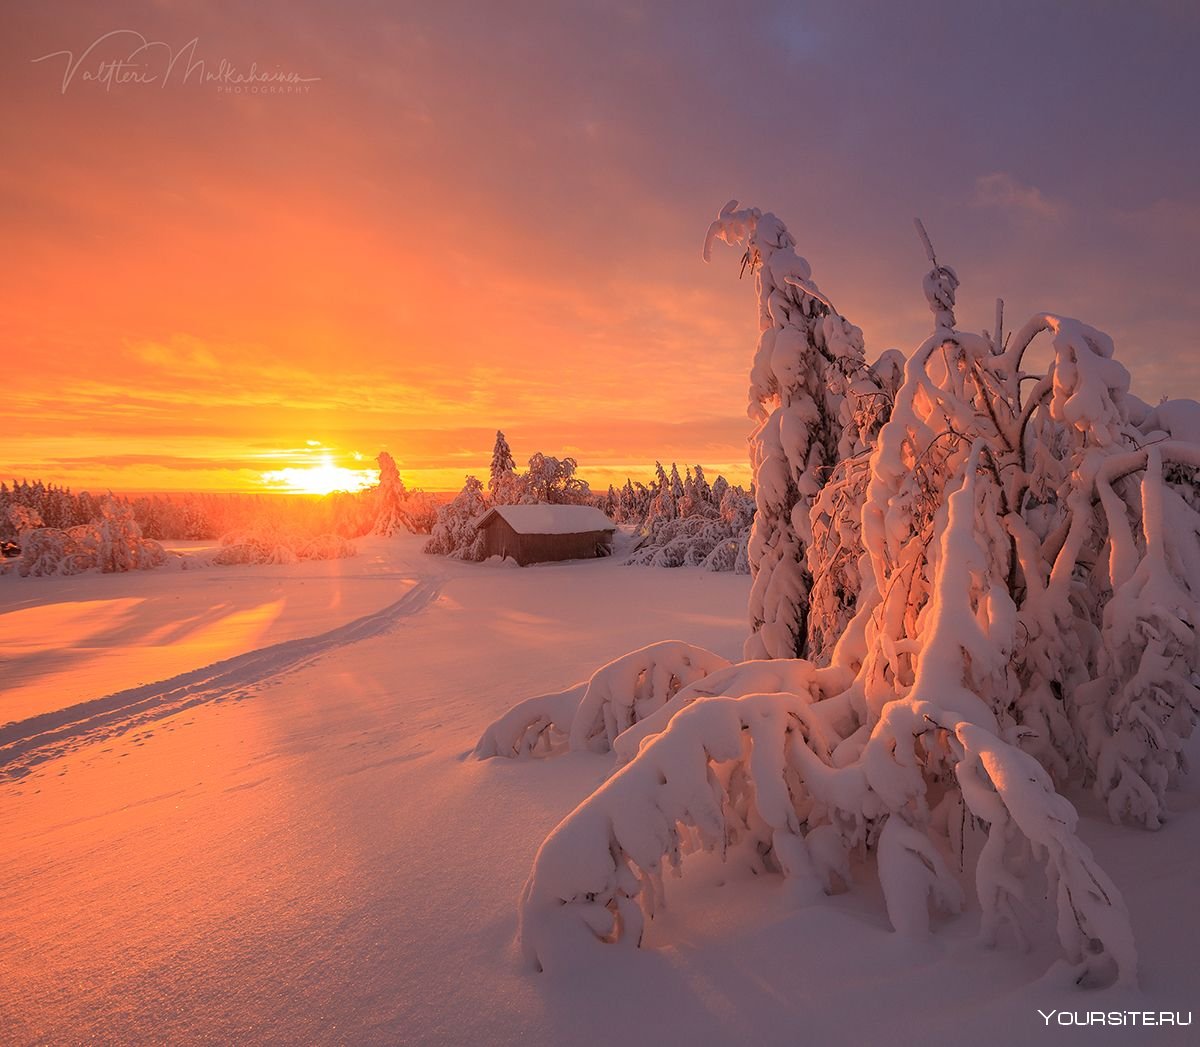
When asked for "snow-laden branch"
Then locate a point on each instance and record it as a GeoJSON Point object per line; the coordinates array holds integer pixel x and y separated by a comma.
{"type": "Point", "coordinates": [591, 715]}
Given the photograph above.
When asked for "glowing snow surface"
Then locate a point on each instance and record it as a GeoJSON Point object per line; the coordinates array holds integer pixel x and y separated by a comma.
{"type": "Point", "coordinates": [303, 855]}
{"type": "Point", "coordinates": [66, 640]}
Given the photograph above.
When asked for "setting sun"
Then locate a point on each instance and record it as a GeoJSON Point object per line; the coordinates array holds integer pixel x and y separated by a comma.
{"type": "Point", "coordinates": [324, 477]}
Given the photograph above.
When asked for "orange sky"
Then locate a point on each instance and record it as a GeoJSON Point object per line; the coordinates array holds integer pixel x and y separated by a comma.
{"type": "Point", "coordinates": [473, 219]}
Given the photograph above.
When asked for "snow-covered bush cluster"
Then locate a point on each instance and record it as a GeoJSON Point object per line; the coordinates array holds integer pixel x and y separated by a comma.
{"type": "Point", "coordinates": [272, 546]}
{"type": "Point", "coordinates": [547, 479]}
{"type": "Point", "coordinates": [690, 523]}
{"type": "Point", "coordinates": [111, 543]}
{"type": "Point", "coordinates": [994, 575]}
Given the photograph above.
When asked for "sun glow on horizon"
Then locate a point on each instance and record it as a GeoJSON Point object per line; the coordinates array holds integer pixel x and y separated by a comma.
{"type": "Point", "coordinates": [323, 477]}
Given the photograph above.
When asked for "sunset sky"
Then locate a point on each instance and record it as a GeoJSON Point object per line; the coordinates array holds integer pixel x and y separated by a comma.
{"type": "Point", "coordinates": [465, 217]}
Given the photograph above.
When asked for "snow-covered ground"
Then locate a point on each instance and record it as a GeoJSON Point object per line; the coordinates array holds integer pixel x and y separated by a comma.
{"type": "Point", "coordinates": [64, 640]}
{"type": "Point", "coordinates": [292, 846]}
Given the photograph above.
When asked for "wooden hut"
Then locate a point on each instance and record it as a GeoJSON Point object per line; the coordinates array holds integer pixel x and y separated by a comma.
{"type": "Point", "coordinates": [538, 533]}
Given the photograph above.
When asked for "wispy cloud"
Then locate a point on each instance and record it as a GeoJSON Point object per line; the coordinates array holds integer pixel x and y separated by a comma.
{"type": "Point", "coordinates": [1003, 190]}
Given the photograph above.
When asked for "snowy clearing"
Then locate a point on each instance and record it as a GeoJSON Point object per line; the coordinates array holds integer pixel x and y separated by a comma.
{"type": "Point", "coordinates": [321, 863]}
{"type": "Point", "coordinates": [67, 640]}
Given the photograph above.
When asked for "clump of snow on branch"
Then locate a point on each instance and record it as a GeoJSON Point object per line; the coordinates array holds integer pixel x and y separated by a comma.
{"type": "Point", "coordinates": [999, 594]}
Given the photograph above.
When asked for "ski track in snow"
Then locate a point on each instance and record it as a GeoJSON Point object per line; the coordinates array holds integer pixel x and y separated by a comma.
{"type": "Point", "coordinates": [27, 743]}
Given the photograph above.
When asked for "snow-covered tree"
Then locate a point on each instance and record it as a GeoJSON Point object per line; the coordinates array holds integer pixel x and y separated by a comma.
{"type": "Point", "coordinates": [1024, 550]}
{"type": "Point", "coordinates": [455, 533]}
{"type": "Point", "coordinates": [663, 506]}
{"type": "Point", "coordinates": [815, 401]}
{"type": "Point", "coordinates": [120, 545]}
{"type": "Point", "coordinates": [422, 509]}
{"type": "Point", "coordinates": [698, 491]}
{"type": "Point", "coordinates": [676, 484]}
{"type": "Point", "coordinates": [24, 519]}
{"type": "Point", "coordinates": [503, 467]}
{"type": "Point", "coordinates": [391, 496]}
{"type": "Point", "coordinates": [550, 479]}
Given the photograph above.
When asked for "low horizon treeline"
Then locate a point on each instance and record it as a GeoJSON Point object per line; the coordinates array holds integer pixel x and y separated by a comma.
{"type": "Point", "coordinates": [48, 530]}
{"type": "Point", "coordinates": [207, 516]}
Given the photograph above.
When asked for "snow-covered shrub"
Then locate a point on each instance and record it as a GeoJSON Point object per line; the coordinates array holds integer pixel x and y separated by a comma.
{"type": "Point", "coordinates": [271, 546]}
{"type": "Point", "coordinates": [53, 551]}
{"type": "Point", "coordinates": [232, 554]}
{"type": "Point", "coordinates": [326, 547]}
{"type": "Point", "coordinates": [1005, 591]}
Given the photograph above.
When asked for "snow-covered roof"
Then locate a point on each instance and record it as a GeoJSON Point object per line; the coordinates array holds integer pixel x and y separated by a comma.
{"type": "Point", "coordinates": [550, 519]}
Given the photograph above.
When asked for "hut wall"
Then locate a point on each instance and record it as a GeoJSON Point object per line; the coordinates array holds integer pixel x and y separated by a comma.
{"type": "Point", "coordinates": [542, 548]}
{"type": "Point", "coordinates": [501, 540]}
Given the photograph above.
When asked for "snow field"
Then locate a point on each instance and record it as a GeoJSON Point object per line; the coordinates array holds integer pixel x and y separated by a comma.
{"type": "Point", "coordinates": [319, 862]}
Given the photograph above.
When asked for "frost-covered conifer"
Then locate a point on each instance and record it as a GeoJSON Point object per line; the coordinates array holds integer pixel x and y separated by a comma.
{"type": "Point", "coordinates": [503, 466]}
{"type": "Point", "coordinates": [663, 506]}
{"type": "Point", "coordinates": [812, 397]}
{"type": "Point", "coordinates": [676, 484]}
{"type": "Point", "coordinates": [391, 497]}
{"type": "Point", "coordinates": [702, 532]}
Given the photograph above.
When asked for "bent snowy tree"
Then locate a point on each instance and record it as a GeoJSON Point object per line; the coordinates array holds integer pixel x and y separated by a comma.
{"type": "Point", "coordinates": [1024, 553]}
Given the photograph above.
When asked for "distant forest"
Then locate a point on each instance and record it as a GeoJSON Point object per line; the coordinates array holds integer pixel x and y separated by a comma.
{"type": "Point", "coordinates": [192, 516]}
